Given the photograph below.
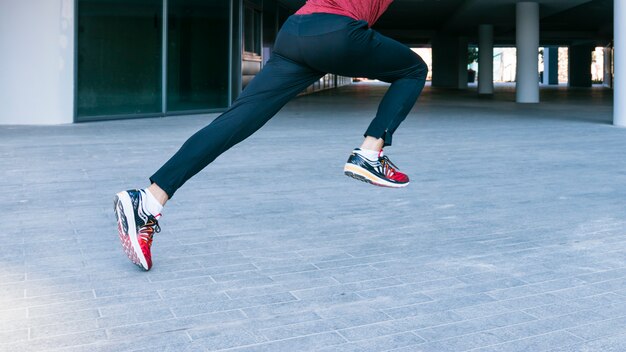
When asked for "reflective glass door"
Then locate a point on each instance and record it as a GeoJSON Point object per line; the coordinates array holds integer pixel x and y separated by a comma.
{"type": "Point", "coordinates": [197, 54]}
{"type": "Point", "coordinates": [119, 60]}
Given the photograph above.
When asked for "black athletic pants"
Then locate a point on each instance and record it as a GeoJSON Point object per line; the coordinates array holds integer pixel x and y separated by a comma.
{"type": "Point", "coordinates": [307, 47]}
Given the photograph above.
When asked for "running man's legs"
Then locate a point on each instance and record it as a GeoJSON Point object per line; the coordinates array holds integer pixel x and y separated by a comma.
{"type": "Point", "coordinates": [304, 52]}
{"type": "Point", "coordinates": [306, 48]}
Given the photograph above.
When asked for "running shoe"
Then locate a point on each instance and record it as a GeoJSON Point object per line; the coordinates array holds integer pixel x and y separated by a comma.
{"type": "Point", "coordinates": [380, 172]}
{"type": "Point", "coordinates": [135, 226]}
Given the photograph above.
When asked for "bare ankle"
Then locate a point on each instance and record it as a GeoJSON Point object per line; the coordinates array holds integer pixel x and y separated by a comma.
{"type": "Point", "coordinates": [158, 193]}
{"type": "Point", "coordinates": [371, 143]}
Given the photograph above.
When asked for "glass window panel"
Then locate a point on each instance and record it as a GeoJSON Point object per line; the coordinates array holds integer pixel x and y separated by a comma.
{"type": "Point", "coordinates": [248, 30]}
{"type": "Point", "coordinates": [119, 57]}
{"type": "Point", "coordinates": [257, 32]}
{"type": "Point", "coordinates": [252, 20]}
{"type": "Point", "coordinates": [198, 38]}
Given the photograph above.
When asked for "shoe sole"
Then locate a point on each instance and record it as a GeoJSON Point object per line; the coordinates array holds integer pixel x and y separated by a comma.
{"type": "Point", "coordinates": [128, 234]}
{"type": "Point", "coordinates": [363, 175]}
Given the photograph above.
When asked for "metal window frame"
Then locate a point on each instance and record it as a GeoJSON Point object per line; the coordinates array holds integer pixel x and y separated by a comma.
{"type": "Point", "coordinates": [164, 62]}
{"type": "Point", "coordinates": [75, 78]}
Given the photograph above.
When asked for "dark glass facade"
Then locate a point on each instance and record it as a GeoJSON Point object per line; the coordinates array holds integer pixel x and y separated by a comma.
{"type": "Point", "coordinates": [119, 57]}
{"type": "Point", "coordinates": [197, 55]}
{"type": "Point", "coordinates": [134, 62]}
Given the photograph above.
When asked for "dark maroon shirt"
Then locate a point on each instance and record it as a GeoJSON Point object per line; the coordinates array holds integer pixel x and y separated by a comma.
{"type": "Point", "coordinates": [368, 10]}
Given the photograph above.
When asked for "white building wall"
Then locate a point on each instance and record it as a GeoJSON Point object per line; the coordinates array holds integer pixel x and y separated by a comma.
{"type": "Point", "coordinates": [36, 61]}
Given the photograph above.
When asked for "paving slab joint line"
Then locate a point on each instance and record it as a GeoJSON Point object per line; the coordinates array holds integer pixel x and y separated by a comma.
{"type": "Point", "coordinates": [391, 319]}
{"type": "Point", "coordinates": [140, 323]}
{"type": "Point", "coordinates": [403, 348]}
{"type": "Point", "coordinates": [594, 323]}
{"type": "Point", "coordinates": [526, 296]}
{"type": "Point", "coordinates": [604, 271]}
{"type": "Point", "coordinates": [173, 313]}
{"type": "Point", "coordinates": [387, 314]}
{"type": "Point", "coordinates": [357, 292]}
{"type": "Point", "coordinates": [525, 338]}
{"type": "Point", "coordinates": [243, 313]}
{"type": "Point", "coordinates": [227, 295]}
{"type": "Point", "coordinates": [513, 325]}
{"type": "Point", "coordinates": [280, 340]}
{"type": "Point", "coordinates": [489, 293]}
{"type": "Point", "coordinates": [326, 331]}
{"type": "Point", "coordinates": [539, 318]}
{"type": "Point", "coordinates": [432, 299]}
{"type": "Point", "coordinates": [160, 294]}
{"type": "Point", "coordinates": [337, 281]}
{"type": "Point", "coordinates": [584, 339]}
{"type": "Point", "coordinates": [229, 310]}
{"type": "Point", "coordinates": [391, 335]}
{"type": "Point", "coordinates": [416, 331]}
{"type": "Point", "coordinates": [65, 334]}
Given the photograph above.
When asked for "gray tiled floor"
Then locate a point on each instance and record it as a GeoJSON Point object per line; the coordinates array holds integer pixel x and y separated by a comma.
{"type": "Point", "coordinates": [510, 238]}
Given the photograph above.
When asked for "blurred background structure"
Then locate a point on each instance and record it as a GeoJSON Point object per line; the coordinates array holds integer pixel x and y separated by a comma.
{"type": "Point", "coordinates": [68, 61]}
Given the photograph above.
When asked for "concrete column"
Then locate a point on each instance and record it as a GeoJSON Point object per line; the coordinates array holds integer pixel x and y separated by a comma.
{"type": "Point", "coordinates": [527, 41]}
{"type": "Point", "coordinates": [449, 61]}
{"type": "Point", "coordinates": [462, 46]}
{"type": "Point", "coordinates": [619, 62]}
{"type": "Point", "coordinates": [580, 65]}
{"type": "Point", "coordinates": [551, 65]}
{"type": "Point", "coordinates": [485, 59]}
{"type": "Point", "coordinates": [37, 62]}
{"type": "Point", "coordinates": [608, 70]}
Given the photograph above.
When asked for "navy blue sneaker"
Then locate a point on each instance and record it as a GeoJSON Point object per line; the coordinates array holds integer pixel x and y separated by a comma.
{"type": "Point", "coordinates": [380, 172]}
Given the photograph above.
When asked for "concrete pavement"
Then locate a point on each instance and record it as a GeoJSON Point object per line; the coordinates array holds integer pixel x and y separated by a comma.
{"type": "Point", "coordinates": [510, 237]}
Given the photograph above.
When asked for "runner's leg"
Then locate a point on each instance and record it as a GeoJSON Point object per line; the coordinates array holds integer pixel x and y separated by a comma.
{"type": "Point", "coordinates": [363, 52]}
{"type": "Point", "coordinates": [280, 80]}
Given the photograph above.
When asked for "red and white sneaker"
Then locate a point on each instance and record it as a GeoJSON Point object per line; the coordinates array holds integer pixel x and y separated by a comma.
{"type": "Point", "coordinates": [380, 172]}
{"type": "Point", "coordinates": [135, 226]}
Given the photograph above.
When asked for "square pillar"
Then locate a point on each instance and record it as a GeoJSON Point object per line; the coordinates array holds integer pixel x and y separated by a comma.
{"type": "Point", "coordinates": [462, 45]}
{"type": "Point", "coordinates": [580, 65]}
{"type": "Point", "coordinates": [485, 59]}
{"type": "Point", "coordinates": [608, 69]}
{"type": "Point", "coordinates": [449, 61]}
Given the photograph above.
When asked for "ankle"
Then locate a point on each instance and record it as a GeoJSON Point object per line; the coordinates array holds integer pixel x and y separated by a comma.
{"type": "Point", "coordinates": [371, 143]}
{"type": "Point", "coordinates": [158, 193]}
